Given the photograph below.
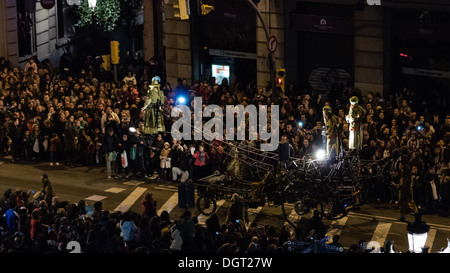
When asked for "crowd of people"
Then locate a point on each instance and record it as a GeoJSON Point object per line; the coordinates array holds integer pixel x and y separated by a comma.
{"type": "Point", "coordinates": [84, 118]}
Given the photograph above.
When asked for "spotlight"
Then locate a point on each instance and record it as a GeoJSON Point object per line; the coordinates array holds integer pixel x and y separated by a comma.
{"type": "Point", "coordinates": [320, 154]}
{"type": "Point", "coordinates": [181, 100]}
{"type": "Point", "coordinates": [132, 129]}
{"type": "Point", "coordinates": [300, 124]}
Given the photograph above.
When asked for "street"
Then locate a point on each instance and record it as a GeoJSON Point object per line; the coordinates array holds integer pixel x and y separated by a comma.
{"type": "Point", "coordinates": [372, 222]}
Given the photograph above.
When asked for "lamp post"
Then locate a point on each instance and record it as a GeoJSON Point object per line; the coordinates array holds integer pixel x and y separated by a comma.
{"type": "Point", "coordinates": [417, 234]}
{"type": "Point", "coordinates": [92, 3]}
{"type": "Point", "coordinates": [270, 54]}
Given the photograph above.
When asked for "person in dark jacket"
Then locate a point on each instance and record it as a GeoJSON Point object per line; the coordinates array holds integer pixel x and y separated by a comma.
{"type": "Point", "coordinates": [110, 146]}
{"type": "Point", "coordinates": [285, 150]}
{"type": "Point", "coordinates": [69, 141]}
{"type": "Point", "coordinates": [237, 210]}
{"type": "Point", "coordinates": [149, 206]}
{"type": "Point", "coordinates": [123, 146]}
{"type": "Point", "coordinates": [179, 163]}
{"type": "Point", "coordinates": [16, 133]}
{"type": "Point", "coordinates": [137, 148]}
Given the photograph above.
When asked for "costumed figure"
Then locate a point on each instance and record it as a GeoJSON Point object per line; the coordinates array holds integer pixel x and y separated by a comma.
{"type": "Point", "coordinates": [331, 131]}
{"type": "Point", "coordinates": [235, 166]}
{"type": "Point", "coordinates": [154, 121]}
{"type": "Point", "coordinates": [355, 118]}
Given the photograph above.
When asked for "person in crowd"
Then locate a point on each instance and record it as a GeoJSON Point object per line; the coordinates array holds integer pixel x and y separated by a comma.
{"type": "Point", "coordinates": [166, 161]}
{"type": "Point", "coordinates": [110, 146]}
{"type": "Point", "coordinates": [149, 205]}
{"type": "Point", "coordinates": [354, 118]}
{"type": "Point", "coordinates": [179, 163]}
{"type": "Point", "coordinates": [55, 149]}
{"type": "Point", "coordinates": [238, 210]}
{"type": "Point", "coordinates": [47, 188]}
{"type": "Point", "coordinates": [405, 194]}
{"type": "Point", "coordinates": [201, 158]}
{"type": "Point", "coordinates": [123, 156]}
{"type": "Point", "coordinates": [70, 146]}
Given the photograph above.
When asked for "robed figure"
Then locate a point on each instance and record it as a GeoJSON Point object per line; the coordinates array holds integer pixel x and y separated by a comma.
{"type": "Point", "coordinates": [154, 120]}
{"type": "Point", "coordinates": [331, 131]}
{"type": "Point", "coordinates": [355, 119]}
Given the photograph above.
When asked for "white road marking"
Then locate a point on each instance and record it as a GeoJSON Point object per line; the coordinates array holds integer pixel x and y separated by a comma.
{"type": "Point", "coordinates": [252, 213]}
{"type": "Point", "coordinates": [130, 200]}
{"type": "Point", "coordinates": [430, 238]}
{"type": "Point", "coordinates": [115, 190]}
{"type": "Point", "coordinates": [95, 197]}
{"type": "Point", "coordinates": [170, 204]}
{"type": "Point", "coordinates": [133, 183]}
{"type": "Point", "coordinates": [381, 232]}
{"type": "Point", "coordinates": [165, 189]}
{"type": "Point", "coordinates": [336, 227]}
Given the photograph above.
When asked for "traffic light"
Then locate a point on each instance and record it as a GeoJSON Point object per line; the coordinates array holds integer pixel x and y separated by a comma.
{"type": "Point", "coordinates": [205, 9]}
{"type": "Point", "coordinates": [115, 52]}
{"type": "Point", "coordinates": [281, 73]}
{"type": "Point", "coordinates": [182, 9]}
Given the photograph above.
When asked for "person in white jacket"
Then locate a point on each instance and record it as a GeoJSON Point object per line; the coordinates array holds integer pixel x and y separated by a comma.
{"type": "Point", "coordinates": [177, 240]}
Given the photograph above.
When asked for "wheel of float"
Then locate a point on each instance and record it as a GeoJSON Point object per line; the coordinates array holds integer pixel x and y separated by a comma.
{"type": "Point", "coordinates": [206, 205]}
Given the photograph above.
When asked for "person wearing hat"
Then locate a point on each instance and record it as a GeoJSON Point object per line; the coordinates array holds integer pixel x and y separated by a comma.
{"type": "Point", "coordinates": [331, 131]}
{"type": "Point", "coordinates": [165, 160]}
{"type": "Point", "coordinates": [153, 122]}
{"type": "Point", "coordinates": [47, 188]}
{"type": "Point", "coordinates": [355, 118]}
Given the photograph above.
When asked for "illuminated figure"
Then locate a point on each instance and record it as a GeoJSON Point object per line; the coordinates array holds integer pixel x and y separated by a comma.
{"type": "Point", "coordinates": [154, 121]}
{"type": "Point", "coordinates": [355, 118]}
{"type": "Point", "coordinates": [331, 131]}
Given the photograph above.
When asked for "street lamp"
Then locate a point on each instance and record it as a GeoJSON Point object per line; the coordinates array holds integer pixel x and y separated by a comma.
{"type": "Point", "coordinates": [92, 3]}
{"type": "Point", "coordinates": [417, 234]}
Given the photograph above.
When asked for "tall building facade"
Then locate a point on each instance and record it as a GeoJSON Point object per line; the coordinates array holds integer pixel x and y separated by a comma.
{"type": "Point", "coordinates": [324, 45]}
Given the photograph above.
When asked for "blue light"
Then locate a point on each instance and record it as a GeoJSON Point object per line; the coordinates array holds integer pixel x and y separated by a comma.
{"type": "Point", "coordinates": [300, 123]}
{"type": "Point", "coordinates": [181, 100]}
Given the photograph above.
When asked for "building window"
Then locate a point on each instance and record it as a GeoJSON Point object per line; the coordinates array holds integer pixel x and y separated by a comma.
{"type": "Point", "coordinates": [26, 28]}
{"type": "Point", "coordinates": [65, 13]}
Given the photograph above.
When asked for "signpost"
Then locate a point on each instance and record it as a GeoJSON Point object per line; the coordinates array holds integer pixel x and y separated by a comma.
{"type": "Point", "coordinates": [272, 44]}
{"type": "Point", "coordinates": [270, 54]}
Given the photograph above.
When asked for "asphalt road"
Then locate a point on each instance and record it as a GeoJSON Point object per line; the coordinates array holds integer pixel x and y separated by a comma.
{"type": "Point", "coordinates": [372, 222]}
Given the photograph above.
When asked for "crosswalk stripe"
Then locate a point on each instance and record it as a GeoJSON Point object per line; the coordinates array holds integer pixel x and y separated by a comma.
{"type": "Point", "coordinates": [130, 200]}
{"type": "Point", "coordinates": [381, 232]}
{"type": "Point", "coordinates": [252, 213]}
{"type": "Point", "coordinates": [336, 227]}
{"type": "Point", "coordinates": [95, 197]}
{"type": "Point", "coordinates": [170, 204]}
{"type": "Point", "coordinates": [133, 183]}
{"type": "Point", "coordinates": [115, 190]}
{"type": "Point", "coordinates": [165, 188]}
{"type": "Point", "coordinates": [202, 218]}
{"type": "Point", "coordinates": [430, 238]}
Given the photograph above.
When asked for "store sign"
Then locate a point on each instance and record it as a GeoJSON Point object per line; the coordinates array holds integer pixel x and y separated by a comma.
{"type": "Point", "coordinates": [425, 72]}
{"type": "Point", "coordinates": [47, 4]}
{"type": "Point", "coordinates": [232, 54]}
{"type": "Point", "coordinates": [324, 24]}
{"type": "Point", "coordinates": [373, 2]}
